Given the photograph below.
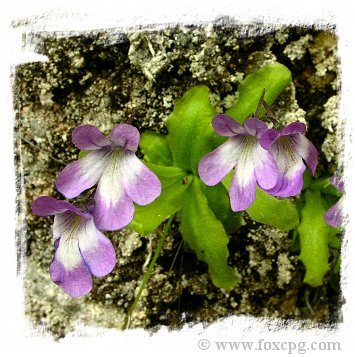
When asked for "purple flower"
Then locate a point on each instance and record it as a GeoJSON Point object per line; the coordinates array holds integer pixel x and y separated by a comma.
{"type": "Point", "coordinates": [334, 215]}
{"type": "Point", "coordinates": [121, 176]}
{"type": "Point", "coordinates": [242, 151]}
{"type": "Point", "coordinates": [288, 147]}
{"type": "Point", "coordinates": [81, 250]}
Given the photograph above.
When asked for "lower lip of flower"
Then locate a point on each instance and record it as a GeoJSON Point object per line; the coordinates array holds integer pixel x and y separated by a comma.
{"type": "Point", "coordinates": [249, 142]}
{"type": "Point", "coordinates": [114, 160]}
{"type": "Point", "coordinates": [288, 150]}
{"type": "Point", "coordinates": [77, 221]}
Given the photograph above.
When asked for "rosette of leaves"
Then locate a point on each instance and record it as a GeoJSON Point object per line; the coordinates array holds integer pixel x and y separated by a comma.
{"type": "Point", "coordinates": [205, 215]}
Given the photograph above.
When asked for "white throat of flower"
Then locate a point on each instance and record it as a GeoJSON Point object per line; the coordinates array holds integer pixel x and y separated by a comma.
{"type": "Point", "coordinates": [68, 250]}
{"type": "Point", "coordinates": [110, 181]}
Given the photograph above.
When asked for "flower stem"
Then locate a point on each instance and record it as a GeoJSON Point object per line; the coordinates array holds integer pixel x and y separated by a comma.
{"type": "Point", "coordinates": [148, 273]}
{"type": "Point", "coordinates": [261, 101]}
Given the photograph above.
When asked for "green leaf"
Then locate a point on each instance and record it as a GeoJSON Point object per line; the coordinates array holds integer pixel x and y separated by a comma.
{"type": "Point", "coordinates": [295, 243]}
{"type": "Point", "coordinates": [218, 200]}
{"type": "Point", "coordinates": [329, 193]}
{"type": "Point", "coordinates": [174, 183]}
{"type": "Point", "coordinates": [205, 234]}
{"type": "Point", "coordinates": [166, 173]}
{"type": "Point", "coordinates": [227, 180]}
{"type": "Point", "coordinates": [334, 279]}
{"type": "Point", "coordinates": [307, 180]}
{"type": "Point", "coordinates": [334, 242]}
{"type": "Point", "coordinates": [325, 187]}
{"type": "Point", "coordinates": [314, 236]}
{"type": "Point", "coordinates": [155, 148]}
{"type": "Point", "coordinates": [82, 153]}
{"type": "Point", "coordinates": [280, 213]}
{"type": "Point", "coordinates": [273, 77]}
{"type": "Point", "coordinates": [191, 135]}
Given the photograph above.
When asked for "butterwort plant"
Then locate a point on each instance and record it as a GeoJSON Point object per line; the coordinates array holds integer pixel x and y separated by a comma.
{"type": "Point", "coordinates": [206, 170]}
{"type": "Point", "coordinates": [213, 166]}
{"type": "Point", "coordinates": [195, 152]}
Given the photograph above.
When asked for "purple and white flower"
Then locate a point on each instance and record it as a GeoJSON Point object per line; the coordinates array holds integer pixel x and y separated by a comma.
{"type": "Point", "coordinates": [81, 250]}
{"type": "Point", "coordinates": [121, 177]}
{"type": "Point", "coordinates": [242, 152]}
{"type": "Point", "coordinates": [288, 147]}
{"type": "Point", "coordinates": [334, 215]}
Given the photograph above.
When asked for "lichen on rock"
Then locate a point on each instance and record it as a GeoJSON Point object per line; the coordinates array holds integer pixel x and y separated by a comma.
{"type": "Point", "coordinates": [333, 144]}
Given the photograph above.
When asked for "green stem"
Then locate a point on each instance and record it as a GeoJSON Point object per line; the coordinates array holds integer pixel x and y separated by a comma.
{"type": "Point", "coordinates": [258, 107]}
{"type": "Point", "coordinates": [148, 273]}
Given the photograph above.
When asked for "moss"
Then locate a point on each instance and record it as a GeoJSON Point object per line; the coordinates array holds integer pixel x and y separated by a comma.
{"type": "Point", "coordinates": [107, 78]}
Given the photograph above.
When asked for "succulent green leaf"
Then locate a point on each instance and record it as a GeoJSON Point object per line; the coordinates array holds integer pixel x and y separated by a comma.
{"type": "Point", "coordinates": [205, 234]}
{"type": "Point", "coordinates": [334, 279]}
{"type": "Point", "coordinates": [174, 183]}
{"type": "Point", "coordinates": [218, 200]}
{"type": "Point", "coordinates": [314, 235]}
{"type": "Point", "coordinates": [191, 135]}
{"type": "Point", "coordinates": [155, 148]}
{"type": "Point", "coordinates": [273, 77]}
{"type": "Point", "coordinates": [334, 242]}
{"type": "Point", "coordinates": [280, 213]}
{"type": "Point", "coordinates": [167, 174]}
{"type": "Point", "coordinates": [325, 187]}
{"type": "Point", "coordinates": [307, 180]}
{"type": "Point", "coordinates": [295, 244]}
{"type": "Point", "coordinates": [82, 153]}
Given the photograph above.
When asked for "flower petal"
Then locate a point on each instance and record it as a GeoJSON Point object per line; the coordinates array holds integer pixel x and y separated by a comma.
{"type": "Point", "coordinates": [113, 207]}
{"type": "Point", "coordinates": [268, 138]}
{"type": "Point", "coordinates": [47, 206]}
{"type": "Point", "coordinates": [294, 128]}
{"type": "Point", "coordinates": [291, 169]}
{"type": "Point", "coordinates": [334, 215]}
{"type": "Point", "coordinates": [140, 183]}
{"type": "Point", "coordinates": [88, 137]}
{"type": "Point", "coordinates": [289, 186]}
{"type": "Point", "coordinates": [82, 174]}
{"type": "Point", "coordinates": [265, 168]}
{"type": "Point", "coordinates": [213, 167]}
{"type": "Point", "coordinates": [242, 189]}
{"type": "Point", "coordinates": [68, 269]}
{"type": "Point", "coordinates": [63, 224]}
{"type": "Point", "coordinates": [255, 127]}
{"type": "Point", "coordinates": [125, 136]}
{"type": "Point", "coordinates": [96, 249]}
{"type": "Point", "coordinates": [111, 215]}
{"type": "Point", "coordinates": [337, 182]}
{"type": "Point", "coordinates": [306, 150]}
{"type": "Point", "coordinates": [226, 126]}
{"type": "Point", "coordinates": [243, 184]}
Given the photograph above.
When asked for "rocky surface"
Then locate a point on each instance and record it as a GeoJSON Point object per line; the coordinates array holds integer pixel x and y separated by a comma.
{"type": "Point", "coordinates": [103, 78]}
